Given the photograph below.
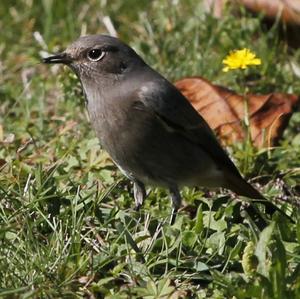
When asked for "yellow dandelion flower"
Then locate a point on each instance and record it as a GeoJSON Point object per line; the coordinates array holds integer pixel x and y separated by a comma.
{"type": "Point", "coordinates": [240, 59]}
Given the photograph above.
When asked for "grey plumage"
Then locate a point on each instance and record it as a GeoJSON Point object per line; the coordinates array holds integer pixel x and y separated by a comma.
{"type": "Point", "coordinates": [147, 126]}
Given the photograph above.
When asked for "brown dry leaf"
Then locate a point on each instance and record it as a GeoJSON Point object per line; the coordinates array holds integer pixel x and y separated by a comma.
{"type": "Point", "coordinates": [224, 111]}
{"type": "Point", "coordinates": [287, 10]}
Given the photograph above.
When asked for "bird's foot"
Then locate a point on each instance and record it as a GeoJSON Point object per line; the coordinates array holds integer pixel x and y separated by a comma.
{"type": "Point", "coordinates": [139, 193]}
{"type": "Point", "coordinates": [176, 203]}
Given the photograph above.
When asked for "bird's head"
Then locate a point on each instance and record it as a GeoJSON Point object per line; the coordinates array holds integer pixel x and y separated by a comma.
{"type": "Point", "coordinates": [94, 57]}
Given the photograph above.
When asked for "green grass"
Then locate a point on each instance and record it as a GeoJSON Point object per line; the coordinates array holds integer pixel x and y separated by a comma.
{"type": "Point", "coordinates": [67, 224]}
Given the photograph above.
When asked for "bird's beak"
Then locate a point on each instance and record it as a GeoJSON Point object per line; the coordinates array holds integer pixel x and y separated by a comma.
{"type": "Point", "coordinates": [63, 58]}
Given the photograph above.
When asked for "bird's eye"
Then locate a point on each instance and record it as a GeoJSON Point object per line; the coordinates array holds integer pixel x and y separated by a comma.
{"type": "Point", "coordinates": [95, 54]}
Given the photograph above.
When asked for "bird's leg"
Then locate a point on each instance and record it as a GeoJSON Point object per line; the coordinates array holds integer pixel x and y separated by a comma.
{"type": "Point", "coordinates": [176, 202]}
{"type": "Point", "coordinates": [139, 193]}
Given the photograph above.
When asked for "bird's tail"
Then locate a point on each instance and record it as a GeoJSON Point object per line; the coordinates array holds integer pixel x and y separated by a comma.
{"type": "Point", "coordinates": [241, 187]}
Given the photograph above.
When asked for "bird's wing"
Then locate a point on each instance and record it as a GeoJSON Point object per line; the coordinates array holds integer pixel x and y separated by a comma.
{"type": "Point", "coordinates": [163, 100]}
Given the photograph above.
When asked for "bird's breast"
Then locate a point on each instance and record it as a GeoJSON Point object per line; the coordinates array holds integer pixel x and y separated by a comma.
{"type": "Point", "coordinates": [115, 125]}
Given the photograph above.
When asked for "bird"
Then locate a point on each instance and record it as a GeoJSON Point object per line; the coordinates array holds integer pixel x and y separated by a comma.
{"type": "Point", "coordinates": [150, 130]}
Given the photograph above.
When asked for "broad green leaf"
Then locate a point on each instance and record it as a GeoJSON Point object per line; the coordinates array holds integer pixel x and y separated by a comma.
{"type": "Point", "coordinates": [262, 248]}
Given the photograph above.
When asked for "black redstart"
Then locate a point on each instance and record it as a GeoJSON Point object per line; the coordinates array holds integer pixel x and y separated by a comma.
{"type": "Point", "coordinates": [148, 127]}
